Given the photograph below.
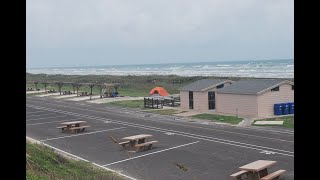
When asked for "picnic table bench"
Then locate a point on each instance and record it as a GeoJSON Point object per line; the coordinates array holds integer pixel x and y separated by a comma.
{"type": "Point", "coordinates": [274, 176]}
{"type": "Point", "coordinates": [67, 92]}
{"type": "Point", "coordinates": [238, 175]}
{"type": "Point", "coordinates": [258, 170]}
{"type": "Point", "coordinates": [52, 91]}
{"type": "Point", "coordinates": [144, 146]}
{"type": "Point", "coordinates": [137, 142]}
{"type": "Point", "coordinates": [73, 126]}
{"type": "Point", "coordinates": [83, 94]}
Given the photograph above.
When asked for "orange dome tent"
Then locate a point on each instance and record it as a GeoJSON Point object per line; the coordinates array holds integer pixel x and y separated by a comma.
{"type": "Point", "coordinates": [159, 90]}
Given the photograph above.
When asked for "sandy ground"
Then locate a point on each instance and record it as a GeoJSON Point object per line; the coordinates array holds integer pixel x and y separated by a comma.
{"type": "Point", "coordinates": [83, 98]}
{"type": "Point", "coordinates": [32, 92]}
{"type": "Point", "coordinates": [65, 96]}
{"type": "Point", "coordinates": [49, 94]}
{"type": "Point", "coordinates": [269, 122]}
{"type": "Point", "coordinates": [106, 100]}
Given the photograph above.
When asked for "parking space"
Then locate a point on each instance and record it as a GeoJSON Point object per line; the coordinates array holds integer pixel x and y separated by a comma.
{"type": "Point", "coordinates": [178, 155]}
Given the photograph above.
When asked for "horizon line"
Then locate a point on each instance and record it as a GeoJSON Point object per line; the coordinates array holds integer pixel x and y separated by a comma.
{"type": "Point", "coordinates": [160, 63]}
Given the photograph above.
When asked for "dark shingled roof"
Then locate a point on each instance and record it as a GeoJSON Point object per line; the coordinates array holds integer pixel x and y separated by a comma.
{"type": "Point", "coordinates": [252, 86]}
{"type": "Point", "coordinates": [202, 84]}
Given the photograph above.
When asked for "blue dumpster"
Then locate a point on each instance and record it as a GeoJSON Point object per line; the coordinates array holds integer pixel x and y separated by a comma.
{"type": "Point", "coordinates": [285, 109]}
{"type": "Point", "coordinates": [277, 109]}
{"type": "Point", "coordinates": [291, 108]}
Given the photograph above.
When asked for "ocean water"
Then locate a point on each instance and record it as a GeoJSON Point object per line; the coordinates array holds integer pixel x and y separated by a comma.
{"type": "Point", "coordinates": [254, 68]}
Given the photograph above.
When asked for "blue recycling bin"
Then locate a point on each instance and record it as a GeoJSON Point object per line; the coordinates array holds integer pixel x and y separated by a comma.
{"type": "Point", "coordinates": [277, 109]}
{"type": "Point", "coordinates": [285, 108]}
{"type": "Point", "coordinates": [291, 108]}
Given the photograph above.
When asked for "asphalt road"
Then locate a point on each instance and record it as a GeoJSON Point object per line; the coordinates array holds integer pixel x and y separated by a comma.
{"type": "Point", "coordinates": [205, 151]}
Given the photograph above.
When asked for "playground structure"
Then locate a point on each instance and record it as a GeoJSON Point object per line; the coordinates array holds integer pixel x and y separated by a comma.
{"type": "Point", "coordinates": [107, 90]}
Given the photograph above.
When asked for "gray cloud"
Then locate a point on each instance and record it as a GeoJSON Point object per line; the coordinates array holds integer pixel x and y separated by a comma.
{"type": "Point", "coordinates": [185, 30]}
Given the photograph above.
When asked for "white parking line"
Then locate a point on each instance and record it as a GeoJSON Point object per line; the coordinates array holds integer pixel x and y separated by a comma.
{"type": "Point", "coordinates": [150, 153]}
{"type": "Point", "coordinates": [94, 132]}
{"type": "Point", "coordinates": [39, 115]}
{"type": "Point", "coordinates": [34, 112]}
{"type": "Point", "coordinates": [213, 129]}
{"type": "Point", "coordinates": [201, 137]}
{"type": "Point", "coordinates": [80, 158]}
{"type": "Point", "coordinates": [45, 118]}
{"type": "Point", "coordinates": [47, 122]}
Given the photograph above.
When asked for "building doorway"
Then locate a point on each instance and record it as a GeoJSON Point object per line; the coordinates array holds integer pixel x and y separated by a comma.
{"type": "Point", "coordinates": [190, 100]}
{"type": "Point", "coordinates": [212, 100]}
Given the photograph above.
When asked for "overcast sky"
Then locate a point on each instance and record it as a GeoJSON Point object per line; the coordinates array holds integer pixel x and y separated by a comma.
{"type": "Point", "coordinates": [114, 32]}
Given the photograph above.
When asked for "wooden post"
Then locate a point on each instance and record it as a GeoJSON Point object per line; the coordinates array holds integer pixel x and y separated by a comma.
{"type": "Point", "coordinates": [36, 84]}
{"type": "Point", "coordinates": [74, 88]}
{"type": "Point", "coordinates": [152, 102]}
{"type": "Point", "coordinates": [59, 84]}
{"type": "Point", "coordinates": [91, 86]}
{"type": "Point", "coordinates": [100, 88]}
{"type": "Point", "coordinates": [45, 84]}
{"type": "Point", "coordinates": [77, 87]}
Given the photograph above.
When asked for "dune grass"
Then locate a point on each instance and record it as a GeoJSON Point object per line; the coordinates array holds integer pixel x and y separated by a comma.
{"type": "Point", "coordinates": [43, 163]}
{"type": "Point", "coordinates": [129, 103]}
{"type": "Point", "coordinates": [220, 118]}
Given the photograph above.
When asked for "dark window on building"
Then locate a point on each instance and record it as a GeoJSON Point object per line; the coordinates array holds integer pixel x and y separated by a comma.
{"type": "Point", "coordinates": [292, 87]}
{"type": "Point", "coordinates": [211, 100]}
{"type": "Point", "coordinates": [275, 89]}
{"type": "Point", "coordinates": [220, 86]}
{"type": "Point", "coordinates": [190, 100]}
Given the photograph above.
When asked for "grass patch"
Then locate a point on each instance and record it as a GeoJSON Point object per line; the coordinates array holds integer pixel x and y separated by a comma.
{"type": "Point", "coordinates": [43, 163]}
{"type": "Point", "coordinates": [220, 118]}
{"type": "Point", "coordinates": [133, 92]}
{"type": "Point", "coordinates": [288, 121]}
{"type": "Point", "coordinates": [129, 103]}
{"type": "Point", "coordinates": [164, 111]}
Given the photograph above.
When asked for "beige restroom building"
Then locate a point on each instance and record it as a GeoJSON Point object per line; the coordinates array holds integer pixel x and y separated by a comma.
{"type": "Point", "coordinates": [244, 98]}
{"type": "Point", "coordinates": [254, 98]}
{"type": "Point", "coordinates": [201, 95]}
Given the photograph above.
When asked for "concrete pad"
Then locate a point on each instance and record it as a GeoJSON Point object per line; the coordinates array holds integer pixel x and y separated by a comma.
{"type": "Point", "coordinates": [49, 94]}
{"type": "Point", "coordinates": [65, 96]}
{"type": "Point", "coordinates": [269, 122]}
{"type": "Point", "coordinates": [32, 92]}
{"type": "Point", "coordinates": [189, 113]}
{"type": "Point", "coordinates": [107, 100]}
{"type": "Point", "coordinates": [83, 98]}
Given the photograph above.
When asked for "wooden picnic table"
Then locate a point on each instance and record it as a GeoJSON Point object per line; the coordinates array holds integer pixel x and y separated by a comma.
{"type": "Point", "coordinates": [73, 126]}
{"type": "Point", "coordinates": [75, 123]}
{"type": "Point", "coordinates": [257, 169]}
{"type": "Point", "coordinates": [136, 139]}
{"type": "Point", "coordinates": [140, 138]}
